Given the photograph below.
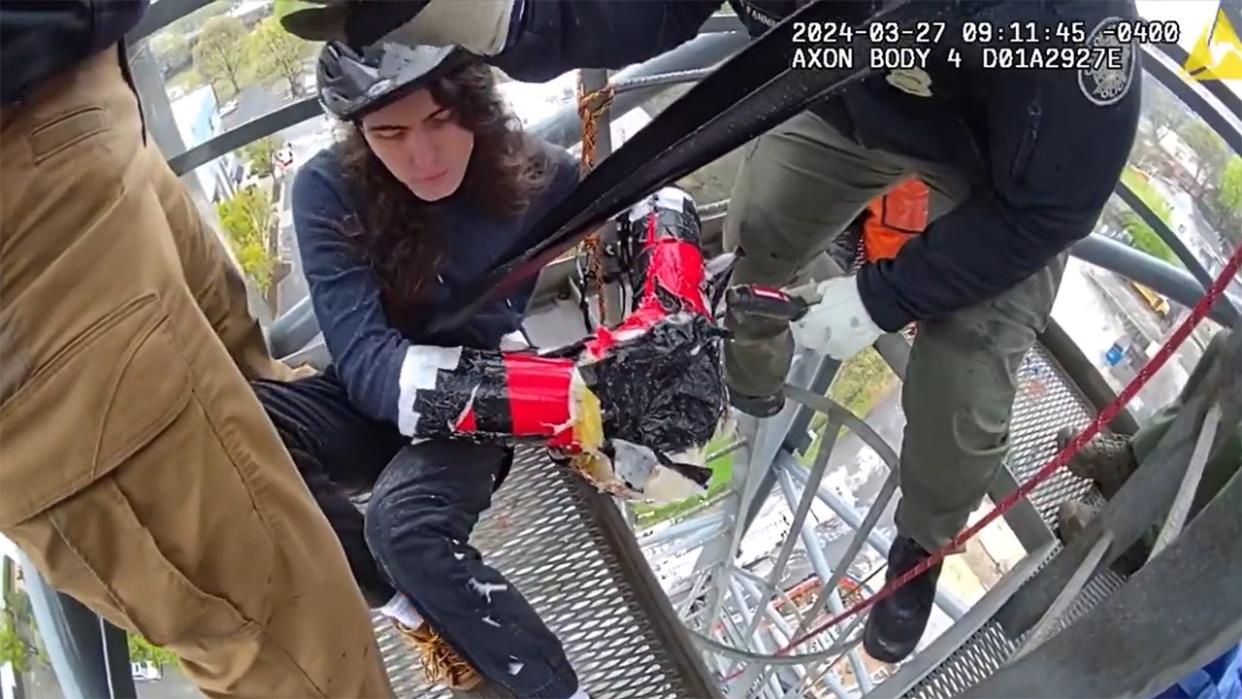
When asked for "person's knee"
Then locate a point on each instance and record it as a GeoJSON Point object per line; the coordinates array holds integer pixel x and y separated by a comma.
{"type": "Point", "coordinates": [963, 432]}
{"type": "Point", "coordinates": [390, 521]}
{"type": "Point", "coordinates": [760, 228]}
{"type": "Point", "coordinates": [958, 405]}
{"type": "Point", "coordinates": [410, 534]}
{"type": "Point", "coordinates": [757, 234]}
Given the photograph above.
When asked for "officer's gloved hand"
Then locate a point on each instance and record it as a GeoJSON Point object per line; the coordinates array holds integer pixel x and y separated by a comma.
{"type": "Point", "coordinates": [839, 325]}
{"type": "Point", "coordinates": [481, 26]}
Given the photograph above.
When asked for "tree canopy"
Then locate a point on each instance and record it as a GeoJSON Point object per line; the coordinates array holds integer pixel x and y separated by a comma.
{"type": "Point", "coordinates": [219, 53]}
{"type": "Point", "coordinates": [278, 54]}
{"type": "Point", "coordinates": [247, 219]}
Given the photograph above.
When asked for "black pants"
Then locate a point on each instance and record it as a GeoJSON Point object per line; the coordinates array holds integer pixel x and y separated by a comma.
{"type": "Point", "coordinates": [414, 536]}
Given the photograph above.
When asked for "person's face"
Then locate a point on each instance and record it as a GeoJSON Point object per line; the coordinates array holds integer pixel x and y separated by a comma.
{"type": "Point", "coordinates": [421, 144]}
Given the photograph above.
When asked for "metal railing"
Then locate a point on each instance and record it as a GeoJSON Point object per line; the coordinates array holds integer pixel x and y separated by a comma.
{"type": "Point", "coordinates": [637, 84]}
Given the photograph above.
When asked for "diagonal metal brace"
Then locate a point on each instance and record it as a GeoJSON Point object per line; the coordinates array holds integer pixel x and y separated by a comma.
{"type": "Point", "coordinates": [1144, 500]}
{"type": "Point", "coordinates": [1172, 617]}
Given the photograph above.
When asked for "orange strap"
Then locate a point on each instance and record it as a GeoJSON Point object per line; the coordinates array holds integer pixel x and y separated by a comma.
{"type": "Point", "coordinates": [592, 105]}
{"type": "Point", "coordinates": [893, 218]}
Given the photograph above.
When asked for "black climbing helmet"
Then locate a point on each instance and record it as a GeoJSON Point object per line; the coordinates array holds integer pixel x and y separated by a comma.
{"type": "Point", "coordinates": [353, 83]}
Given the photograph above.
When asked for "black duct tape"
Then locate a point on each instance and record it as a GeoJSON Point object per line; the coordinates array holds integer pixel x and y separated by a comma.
{"type": "Point", "coordinates": [664, 389]}
{"type": "Point", "coordinates": [477, 383]}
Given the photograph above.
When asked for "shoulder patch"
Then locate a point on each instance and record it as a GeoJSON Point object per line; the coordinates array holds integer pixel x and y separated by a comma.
{"type": "Point", "coordinates": [1108, 84]}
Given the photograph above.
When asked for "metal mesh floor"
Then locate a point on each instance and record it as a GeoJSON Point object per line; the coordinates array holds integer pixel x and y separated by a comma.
{"type": "Point", "coordinates": [989, 647]}
{"type": "Point", "coordinates": [541, 534]}
{"type": "Point", "coordinates": [1046, 402]}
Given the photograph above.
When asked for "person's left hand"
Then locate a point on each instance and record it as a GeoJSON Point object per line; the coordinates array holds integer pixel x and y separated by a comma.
{"type": "Point", "coordinates": [839, 325]}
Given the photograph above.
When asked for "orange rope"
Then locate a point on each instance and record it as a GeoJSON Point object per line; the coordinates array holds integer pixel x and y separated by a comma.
{"type": "Point", "coordinates": [591, 106]}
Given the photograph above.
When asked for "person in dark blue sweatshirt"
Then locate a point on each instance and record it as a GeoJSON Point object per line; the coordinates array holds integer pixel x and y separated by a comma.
{"type": "Point", "coordinates": [431, 184]}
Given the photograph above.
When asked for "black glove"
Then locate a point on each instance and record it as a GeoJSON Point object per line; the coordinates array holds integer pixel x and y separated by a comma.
{"type": "Point", "coordinates": [355, 22]}
{"type": "Point", "coordinates": [480, 26]}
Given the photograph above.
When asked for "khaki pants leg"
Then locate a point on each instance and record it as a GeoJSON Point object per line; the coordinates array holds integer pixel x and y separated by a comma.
{"type": "Point", "coordinates": [137, 470]}
{"type": "Point", "coordinates": [800, 185]}
{"type": "Point", "coordinates": [213, 279]}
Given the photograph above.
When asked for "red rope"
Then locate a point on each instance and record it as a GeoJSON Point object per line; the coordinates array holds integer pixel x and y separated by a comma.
{"type": "Point", "coordinates": [1062, 457]}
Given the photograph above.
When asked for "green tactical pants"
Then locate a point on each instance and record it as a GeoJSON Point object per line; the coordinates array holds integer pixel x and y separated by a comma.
{"type": "Point", "coordinates": [1225, 456]}
{"type": "Point", "coordinates": [798, 188]}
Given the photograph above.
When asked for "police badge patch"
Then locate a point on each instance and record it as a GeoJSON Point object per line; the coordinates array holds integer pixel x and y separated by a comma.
{"type": "Point", "coordinates": [1110, 81]}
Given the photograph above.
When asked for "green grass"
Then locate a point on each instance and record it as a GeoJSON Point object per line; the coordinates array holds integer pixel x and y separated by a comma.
{"type": "Point", "coordinates": [1143, 236]}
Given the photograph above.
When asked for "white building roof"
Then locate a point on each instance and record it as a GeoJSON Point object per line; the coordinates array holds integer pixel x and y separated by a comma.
{"type": "Point", "coordinates": [187, 110]}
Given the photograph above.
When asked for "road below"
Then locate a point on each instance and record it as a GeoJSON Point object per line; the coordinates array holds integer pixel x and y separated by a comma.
{"type": "Point", "coordinates": [1096, 308]}
{"type": "Point", "coordinates": [305, 140]}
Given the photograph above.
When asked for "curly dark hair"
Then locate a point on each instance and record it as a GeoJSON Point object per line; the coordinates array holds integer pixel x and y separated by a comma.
{"type": "Point", "coordinates": [396, 230]}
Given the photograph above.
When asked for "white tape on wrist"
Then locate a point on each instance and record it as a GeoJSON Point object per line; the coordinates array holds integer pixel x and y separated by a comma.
{"type": "Point", "coordinates": [418, 372]}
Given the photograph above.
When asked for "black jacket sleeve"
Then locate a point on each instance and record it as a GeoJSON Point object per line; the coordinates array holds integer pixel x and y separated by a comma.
{"type": "Point", "coordinates": [1053, 156]}
{"type": "Point", "coordinates": [555, 36]}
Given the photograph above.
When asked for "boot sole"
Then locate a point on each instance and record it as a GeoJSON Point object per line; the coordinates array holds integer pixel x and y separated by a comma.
{"type": "Point", "coordinates": [882, 650]}
{"type": "Point", "coordinates": [755, 408]}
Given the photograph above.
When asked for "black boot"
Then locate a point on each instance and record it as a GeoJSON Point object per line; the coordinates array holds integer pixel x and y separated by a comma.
{"type": "Point", "coordinates": [758, 406]}
{"type": "Point", "coordinates": [897, 622]}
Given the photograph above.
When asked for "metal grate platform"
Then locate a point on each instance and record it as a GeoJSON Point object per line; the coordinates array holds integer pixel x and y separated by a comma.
{"type": "Point", "coordinates": [544, 533]}
{"type": "Point", "coordinates": [1046, 402]}
{"type": "Point", "coordinates": [988, 648]}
